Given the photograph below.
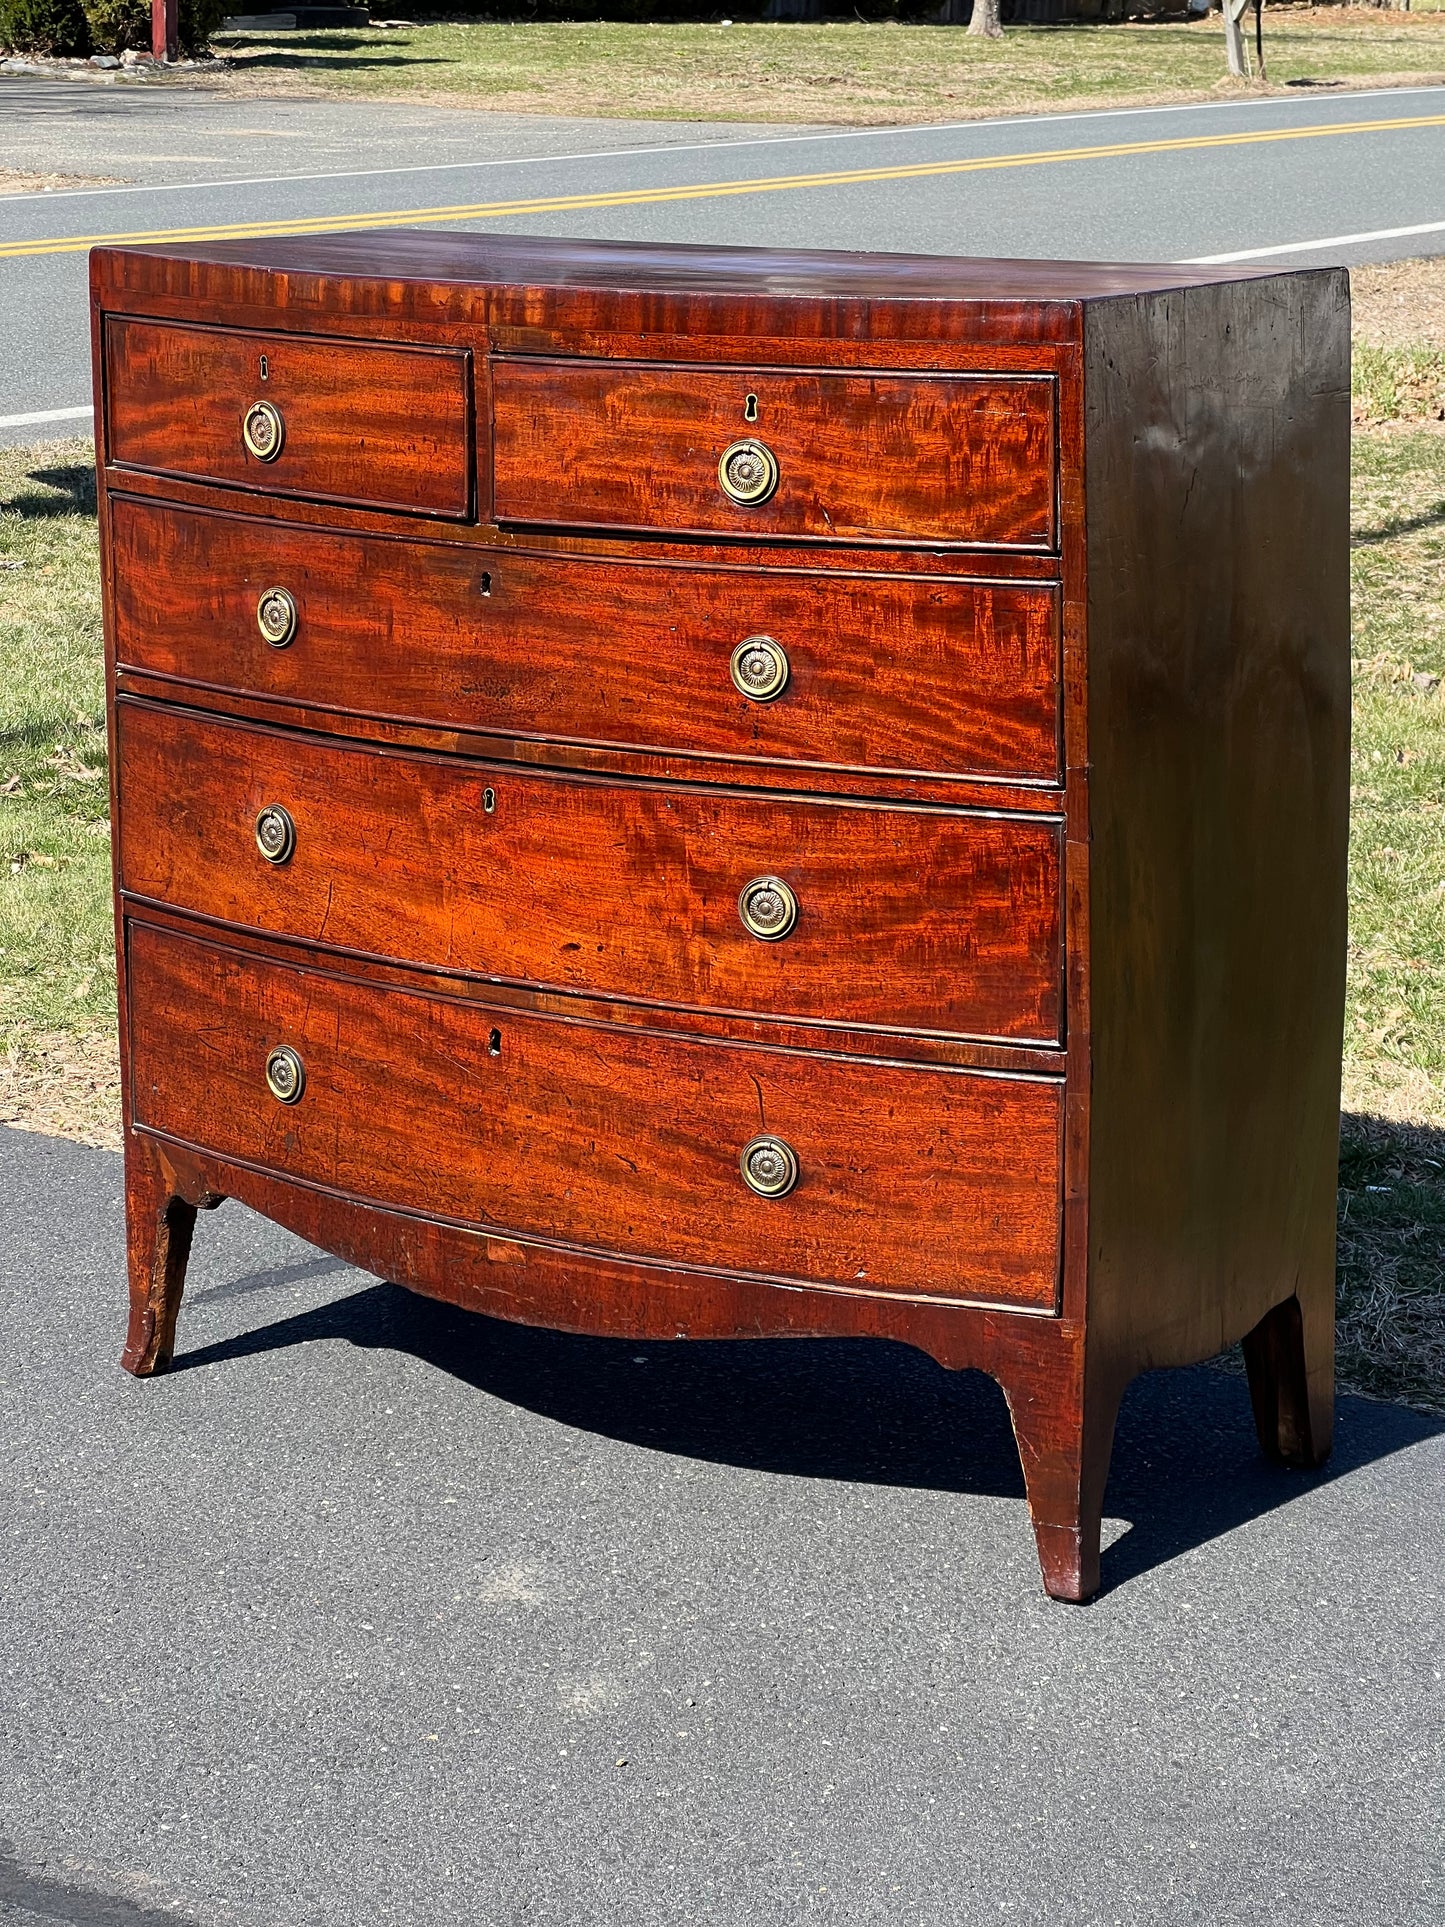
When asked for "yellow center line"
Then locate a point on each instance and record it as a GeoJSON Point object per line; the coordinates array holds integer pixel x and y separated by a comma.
{"type": "Point", "coordinates": [709, 190]}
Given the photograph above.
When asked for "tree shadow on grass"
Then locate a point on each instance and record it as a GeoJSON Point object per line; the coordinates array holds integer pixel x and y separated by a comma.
{"type": "Point", "coordinates": [1398, 525]}
{"type": "Point", "coordinates": [69, 490]}
{"type": "Point", "coordinates": [325, 56]}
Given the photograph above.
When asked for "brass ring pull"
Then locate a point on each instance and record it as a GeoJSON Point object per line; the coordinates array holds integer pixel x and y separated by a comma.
{"type": "Point", "coordinates": [759, 669]}
{"type": "Point", "coordinates": [747, 473]}
{"type": "Point", "coordinates": [263, 431]}
{"type": "Point", "coordinates": [768, 908]}
{"type": "Point", "coordinates": [276, 617]}
{"type": "Point", "coordinates": [285, 1075]}
{"type": "Point", "coordinates": [769, 1167]}
{"type": "Point", "coordinates": [275, 834]}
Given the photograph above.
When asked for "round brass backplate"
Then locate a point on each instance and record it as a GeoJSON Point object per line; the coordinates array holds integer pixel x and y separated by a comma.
{"type": "Point", "coordinates": [263, 431]}
{"type": "Point", "coordinates": [769, 1167]}
{"type": "Point", "coordinates": [276, 617]}
{"type": "Point", "coordinates": [285, 1075]}
{"type": "Point", "coordinates": [768, 908]}
{"type": "Point", "coordinates": [275, 834]}
{"type": "Point", "coordinates": [759, 669]}
{"type": "Point", "coordinates": [747, 473]}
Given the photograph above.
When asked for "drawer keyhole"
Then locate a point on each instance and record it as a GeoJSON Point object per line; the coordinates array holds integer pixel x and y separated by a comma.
{"type": "Point", "coordinates": [494, 1043]}
{"type": "Point", "coordinates": [489, 801]}
{"type": "Point", "coordinates": [486, 582]}
{"type": "Point", "coordinates": [750, 409]}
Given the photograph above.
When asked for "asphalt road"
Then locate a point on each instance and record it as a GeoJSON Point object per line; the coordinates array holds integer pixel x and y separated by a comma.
{"type": "Point", "coordinates": [374, 1614]}
{"type": "Point", "coordinates": [1287, 180]}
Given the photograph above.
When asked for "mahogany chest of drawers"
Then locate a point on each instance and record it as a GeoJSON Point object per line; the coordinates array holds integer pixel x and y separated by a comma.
{"type": "Point", "coordinates": [699, 793]}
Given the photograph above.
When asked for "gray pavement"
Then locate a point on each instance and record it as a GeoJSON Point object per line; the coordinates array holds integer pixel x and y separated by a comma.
{"type": "Point", "coordinates": [374, 1612]}
{"type": "Point", "coordinates": [201, 160]}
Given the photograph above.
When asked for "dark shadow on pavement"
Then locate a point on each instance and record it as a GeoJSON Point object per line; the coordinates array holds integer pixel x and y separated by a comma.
{"type": "Point", "coordinates": [1186, 1468]}
{"type": "Point", "coordinates": [38, 1897]}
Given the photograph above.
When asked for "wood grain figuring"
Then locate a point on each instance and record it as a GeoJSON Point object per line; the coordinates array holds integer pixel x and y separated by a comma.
{"type": "Point", "coordinates": [1059, 558]}
{"type": "Point", "coordinates": [887, 673]}
{"type": "Point", "coordinates": [600, 1137]}
{"type": "Point", "coordinates": [943, 921]}
{"type": "Point", "coordinates": [873, 458]}
{"type": "Point", "coordinates": [363, 423]}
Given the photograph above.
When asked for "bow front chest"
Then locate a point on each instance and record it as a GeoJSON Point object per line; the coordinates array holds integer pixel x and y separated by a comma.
{"type": "Point", "coordinates": [700, 793]}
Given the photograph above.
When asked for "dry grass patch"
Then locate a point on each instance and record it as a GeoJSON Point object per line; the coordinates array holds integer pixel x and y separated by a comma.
{"type": "Point", "coordinates": [63, 1082]}
{"type": "Point", "coordinates": [1399, 304]}
{"type": "Point", "coordinates": [15, 180]}
{"type": "Point", "coordinates": [1390, 1284]}
{"type": "Point", "coordinates": [1399, 323]}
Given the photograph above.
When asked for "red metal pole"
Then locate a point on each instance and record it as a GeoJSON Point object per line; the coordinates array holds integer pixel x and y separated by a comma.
{"type": "Point", "coordinates": [166, 29]}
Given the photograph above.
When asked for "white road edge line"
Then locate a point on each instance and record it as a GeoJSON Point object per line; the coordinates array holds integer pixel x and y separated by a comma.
{"type": "Point", "coordinates": [707, 147]}
{"type": "Point", "coordinates": [1312, 247]}
{"type": "Point", "coordinates": [1194, 261]}
{"type": "Point", "coordinates": [46, 415]}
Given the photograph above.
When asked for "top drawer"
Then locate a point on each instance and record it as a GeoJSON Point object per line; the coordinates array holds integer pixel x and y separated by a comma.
{"type": "Point", "coordinates": [966, 459]}
{"type": "Point", "coordinates": [339, 421]}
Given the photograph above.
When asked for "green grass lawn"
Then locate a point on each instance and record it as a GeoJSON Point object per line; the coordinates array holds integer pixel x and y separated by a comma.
{"type": "Point", "coordinates": [860, 73]}
{"type": "Point", "coordinates": [57, 983]}
{"type": "Point", "coordinates": [56, 965]}
{"type": "Point", "coordinates": [1395, 1048]}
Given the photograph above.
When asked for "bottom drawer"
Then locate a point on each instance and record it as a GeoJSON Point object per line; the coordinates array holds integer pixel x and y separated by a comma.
{"type": "Point", "coordinates": [926, 1180]}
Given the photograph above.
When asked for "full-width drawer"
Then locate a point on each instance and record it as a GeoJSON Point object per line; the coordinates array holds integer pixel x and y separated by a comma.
{"type": "Point", "coordinates": [342, 421]}
{"type": "Point", "coordinates": [758, 452]}
{"type": "Point", "coordinates": [911, 918]}
{"type": "Point", "coordinates": [923, 1180]}
{"type": "Point", "coordinates": [886, 673]}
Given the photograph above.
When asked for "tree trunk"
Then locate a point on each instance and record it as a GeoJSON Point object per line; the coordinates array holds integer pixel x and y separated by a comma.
{"type": "Point", "coordinates": [985, 21]}
{"type": "Point", "coordinates": [1234, 37]}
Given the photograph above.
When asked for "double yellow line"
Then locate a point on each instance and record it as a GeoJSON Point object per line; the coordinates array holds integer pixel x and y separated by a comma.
{"type": "Point", "coordinates": [702, 191]}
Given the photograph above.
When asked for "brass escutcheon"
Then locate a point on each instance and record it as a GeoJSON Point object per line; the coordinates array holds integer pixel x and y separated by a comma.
{"type": "Point", "coordinates": [769, 1167]}
{"type": "Point", "coordinates": [275, 834]}
{"type": "Point", "coordinates": [276, 617]}
{"type": "Point", "coordinates": [759, 669]}
{"type": "Point", "coordinates": [747, 473]}
{"type": "Point", "coordinates": [285, 1075]}
{"type": "Point", "coordinates": [263, 431]}
{"type": "Point", "coordinates": [768, 908]}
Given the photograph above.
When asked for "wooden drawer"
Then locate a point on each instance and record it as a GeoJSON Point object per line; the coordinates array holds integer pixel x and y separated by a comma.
{"type": "Point", "coordinates": [360, 422]}
{"type": "Point", "coordinates": [917, 919]}
{"type": "Point", "coordinates": [885, 673]}
{"type": "Point", "coordinates": [932, 1181]}
{"type": "Point", "coordinates": [859, 457]}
